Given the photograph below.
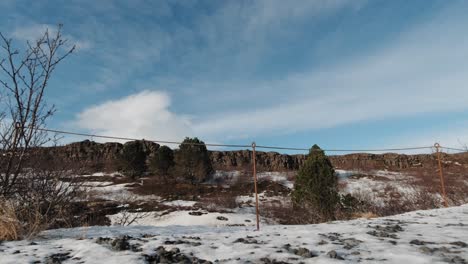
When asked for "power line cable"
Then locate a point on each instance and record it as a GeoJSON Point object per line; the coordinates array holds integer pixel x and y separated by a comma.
{"type": "Point", "coordinates": [237, 145]}
{"type": "Point", "coordinates": [348, 150]}
{"type": "Point", "coordinates": [133, 139]}
{"type": "Point", "coordinates": [456, 149]}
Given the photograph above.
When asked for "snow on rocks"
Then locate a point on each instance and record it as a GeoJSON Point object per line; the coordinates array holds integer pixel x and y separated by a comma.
{"type": "Point", "coordinates": [180, 203]}
{"type": "Point", "coordinates": [115, 192]}
{"type": "Point", "coordinates": [282, 178]}
{"type": "Point", "coordinates": [433, 236]}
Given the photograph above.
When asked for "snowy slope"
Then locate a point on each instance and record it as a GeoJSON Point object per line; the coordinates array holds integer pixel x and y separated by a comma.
{"type": "Point", "coordinates": [434, 236]}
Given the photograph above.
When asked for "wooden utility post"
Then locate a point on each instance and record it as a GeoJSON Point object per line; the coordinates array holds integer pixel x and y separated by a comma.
{"type": "Point", "coordinates": [255, 184]}
{"type": "Point", "coordinates": [441, 175]}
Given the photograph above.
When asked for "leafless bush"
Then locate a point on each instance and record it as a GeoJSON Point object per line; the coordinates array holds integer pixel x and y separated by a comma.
{"type": "Point", "coordinates": [41, 200]}
{"type": "Point", "coordinates": [126, 217]}
{"type": "Point", "coordinates": [32, 192]}
{"type": "Point", "coordinates": [219, 200]}
{"type": "Point", "coordinates": [24, 77]}
{"type": "Point", "coordinates": [286, 214]}
{"type": "Point", "coordinates": [458, 195]}
{"type": "Point", "coordinates": [395, 202]}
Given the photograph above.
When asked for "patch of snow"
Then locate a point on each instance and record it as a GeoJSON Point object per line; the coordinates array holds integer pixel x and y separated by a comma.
{"type": "Point", "coordinates": [279, 177]}
{"type": "Point", "coordinates": [438, 228]}
{"type": "Point", "coordinates": [94, 184]}
{"type": "Point", "coordinates": [180, 203]}
{"type": "Point", "coordinates": [101, 174]}
{"type": "Point", "coordinates": [116, 192]}
{"type": "Point", "coordinates": [345, 173]}
{"type": "Point", "coordinates": [262, 197]}
{"type": "Point", "coordinates": [226, 177]}
{"type": "Point", "coordinates": [183, 218]}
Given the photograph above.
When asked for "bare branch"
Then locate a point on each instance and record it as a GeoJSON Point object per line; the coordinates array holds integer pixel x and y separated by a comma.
{"type": "Point", "coordinates": [24, 79]}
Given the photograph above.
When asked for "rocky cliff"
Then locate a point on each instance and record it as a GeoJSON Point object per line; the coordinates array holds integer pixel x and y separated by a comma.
{"type": "Point", "coordinates": [98, 156]}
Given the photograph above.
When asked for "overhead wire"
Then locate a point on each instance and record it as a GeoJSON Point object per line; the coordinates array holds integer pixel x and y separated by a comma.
{"type": "Point", "coordinates": [455, 149]}
{"type": "Point", "coordinates": [237, 145]}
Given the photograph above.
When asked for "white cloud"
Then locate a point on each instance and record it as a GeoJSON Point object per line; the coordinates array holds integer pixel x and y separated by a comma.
{"type": "Point", "coordinates": [35, 31]}
{"type": "Point", "coordinates": [422, 71]}
{"type": "Point", "coordinates": [142, 115]}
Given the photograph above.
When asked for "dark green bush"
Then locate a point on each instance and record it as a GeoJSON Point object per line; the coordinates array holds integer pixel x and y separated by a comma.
{"type": "Point", "coordinates": [193, 161]}
{"type": "Point", "coordinates": [132, 160]}
{"type": "Point", "coordinates": [162, 163]}
{"type": "Point", "coordinates": [315, 187]}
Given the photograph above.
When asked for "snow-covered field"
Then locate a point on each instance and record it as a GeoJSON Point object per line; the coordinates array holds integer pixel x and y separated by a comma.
{"type": "Point", "coordinates": [114, 192]}
{"type": "Point", "coordinates": [380, 185]}
{"type": "Point", "coordinates": [375, 186]}
{"type": "Point", "coordinates": [433, 236]}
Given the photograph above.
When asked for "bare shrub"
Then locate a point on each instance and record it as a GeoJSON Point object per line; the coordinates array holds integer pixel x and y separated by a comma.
{"type": "Point", "coordinates": [127, 217]}
{"type": "Point", "coordinates": [24, 77]}
{"type": "Point", "coordinates": [286, 214]}
{"type": "Point", "coordinates": [33, 194]}
{"type": "Point", "coordinates": [42, 201]}
{"type": "Point", "coordinates": [458, 194]}
{"type": "Point", "coordinates": [395, 202]}
{"type": "Point", "coordinates": [219, 200]}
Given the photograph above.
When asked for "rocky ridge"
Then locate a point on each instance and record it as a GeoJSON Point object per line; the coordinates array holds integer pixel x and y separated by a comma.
{"type": "Point", "coordinates": [103, 157]}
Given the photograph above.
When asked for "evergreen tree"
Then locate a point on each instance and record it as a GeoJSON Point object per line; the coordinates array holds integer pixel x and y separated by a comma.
{"type": "Point", "coordinates": [133, 159]}
{"type": "Point", "coordinates": [193, 161]}
{"type": "Point", "coordinates": [162, 162]}
{"type": "Point", "coordinates": [315, 187]}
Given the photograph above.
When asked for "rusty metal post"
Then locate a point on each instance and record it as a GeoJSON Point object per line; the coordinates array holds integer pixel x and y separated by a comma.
{"type": "Point", "coordinates": [441, 175]}
{"type": "Point", "coordinates": [255, 184]}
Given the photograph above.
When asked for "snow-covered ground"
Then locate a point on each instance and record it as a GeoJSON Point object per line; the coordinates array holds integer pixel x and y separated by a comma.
{"type": "Point", "coordinates": [379, 185]}
{"type": "Point", "coordinates": [434, 236]}
{"type": "Point", "coordinates": [190, 218]}
{"type": "Point", "coordinates": [114, 192]}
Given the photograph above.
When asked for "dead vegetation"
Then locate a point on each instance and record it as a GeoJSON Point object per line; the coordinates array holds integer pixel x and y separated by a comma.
{"type": "Point", "coordinates": [9, 223]}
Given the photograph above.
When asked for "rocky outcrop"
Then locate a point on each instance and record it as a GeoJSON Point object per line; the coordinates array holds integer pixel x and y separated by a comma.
{"type": "Point", "coordinates": [266, 161]}
{"type": "Point", "coordinates": [104, 156]}
{"type": "Point", "coordinates": [391, 161]}
{"type": "Point", "coordinates": [273, 161]}
{"type": "Point", "coordinates": [90, 155]}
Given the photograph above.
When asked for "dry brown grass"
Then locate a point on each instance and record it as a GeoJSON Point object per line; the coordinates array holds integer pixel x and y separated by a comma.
{"type": "Point", "coordinates": [365, 215]}
{"type": "Point", "coordinates": [9, 223]}
{"type": "Point", "coordinates": [420, 198]}
{"type": "Point", "coordinates": [284, 213]}
{"type": "Point", "coordinates": [220, 200]}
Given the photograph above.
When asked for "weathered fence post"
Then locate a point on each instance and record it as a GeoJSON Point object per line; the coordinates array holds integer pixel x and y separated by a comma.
{"type": "Point", "coordinates": [441, 175]}
{"type": "Point", "coordinates": [255, 184]}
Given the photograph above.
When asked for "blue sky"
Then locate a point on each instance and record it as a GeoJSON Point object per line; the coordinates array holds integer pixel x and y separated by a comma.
{"type": "Point", "coordinates": [339, 73]}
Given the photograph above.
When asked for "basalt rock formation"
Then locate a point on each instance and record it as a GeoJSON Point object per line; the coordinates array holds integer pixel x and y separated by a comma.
{"type": "Point", "coordinates": [104, 157]}
{"type": "Point", "coordinates": [92, 156]}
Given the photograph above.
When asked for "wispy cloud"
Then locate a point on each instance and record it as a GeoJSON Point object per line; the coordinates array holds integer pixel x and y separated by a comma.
{"type": "Point", "coordinates": [234, 68]}
{"type": "Point", "coordinates": [35, 31]}
{"type": "Point", "coordinates": [421, 72]}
